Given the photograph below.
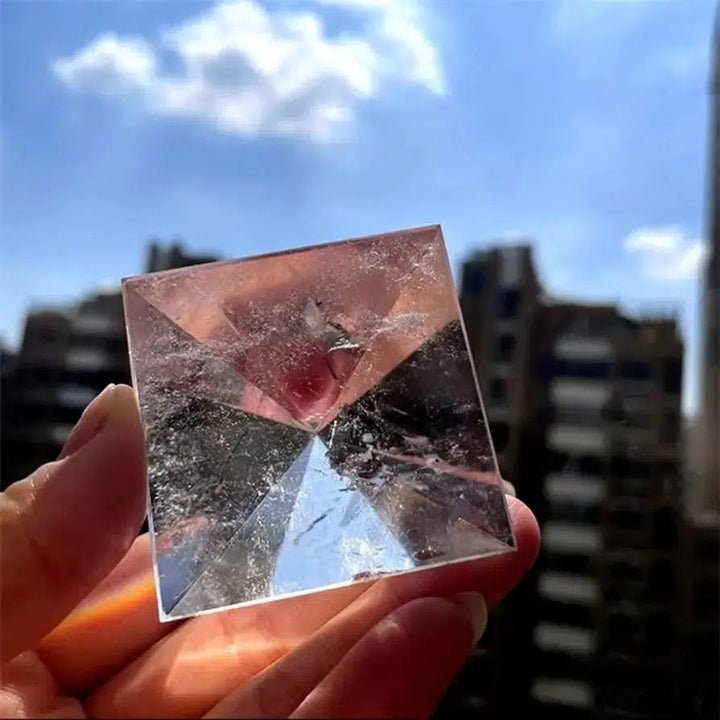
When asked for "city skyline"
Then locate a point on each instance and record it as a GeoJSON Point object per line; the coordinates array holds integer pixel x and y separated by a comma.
{"type": "Point", "coordinates": [583, 405]}
{"type": "Point", "coordinates": [591, 140]}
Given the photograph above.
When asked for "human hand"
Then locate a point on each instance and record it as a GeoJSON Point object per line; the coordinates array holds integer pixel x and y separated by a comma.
{"type": "Point", "coordinates": [80, 634]}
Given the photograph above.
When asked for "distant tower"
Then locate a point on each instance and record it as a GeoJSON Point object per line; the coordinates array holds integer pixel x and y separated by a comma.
{"type": "Point", "coordinates": [709, 489]}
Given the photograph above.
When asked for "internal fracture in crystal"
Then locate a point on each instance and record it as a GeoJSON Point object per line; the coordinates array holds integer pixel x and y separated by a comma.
{"type": "Point", "coordinates": [312, 419]}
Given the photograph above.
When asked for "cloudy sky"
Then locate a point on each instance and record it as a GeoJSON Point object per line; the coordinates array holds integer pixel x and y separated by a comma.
{"type": "Point", "coordinates": [251, 125]}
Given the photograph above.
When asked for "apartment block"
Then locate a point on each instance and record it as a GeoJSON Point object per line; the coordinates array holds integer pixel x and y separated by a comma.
{"type": "Point", "coordinates": [610, 539]}
{"type": "Point", "coordinates": [705, 497]}
{"type": "Point", "coordinates": [66, 357]}
{"type": "Point", "coordinates": [700, 607]}
{"type": "Point", "coordinates": [500, 299]}
{"type": "Point", "coordinates": [584, 407]}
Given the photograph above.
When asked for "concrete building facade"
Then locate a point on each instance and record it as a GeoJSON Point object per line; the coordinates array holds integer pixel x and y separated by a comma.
{"type": "Point", "coordinates": [584, 406]}
{"type": "Point", "coordinates": [66, 357]}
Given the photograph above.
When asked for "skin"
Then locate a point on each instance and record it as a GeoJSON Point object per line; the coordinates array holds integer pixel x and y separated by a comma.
{"type": "Point", "coordinates": [80, 633]}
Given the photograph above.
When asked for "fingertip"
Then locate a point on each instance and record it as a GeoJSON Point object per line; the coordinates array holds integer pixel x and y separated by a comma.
{"type": "Point", "coordinates": [402, 665]}
{"type": "Point", "coordinates": [526, 530]}
{"type": "Point", "coordinates": [474, 605]}
{"type": "Point", "coordinates": [125, 408]}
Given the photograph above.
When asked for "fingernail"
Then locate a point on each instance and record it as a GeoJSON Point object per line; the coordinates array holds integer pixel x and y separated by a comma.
{"type": "Point", "coordinates": [91, 421]}
{"type": "Point", "coordinates": [473, 603]}
{"type": "Point", "coordinates": [123, 409]}
{"type": "Point", "coordinates": [509, 488]}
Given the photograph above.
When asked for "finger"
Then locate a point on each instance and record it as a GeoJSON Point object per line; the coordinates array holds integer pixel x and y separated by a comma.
{"type": "Point", "coordinates": [303, 669]}
{"type": "Point", "coordinates": [70, 523]}
{"type": "Point", "coordinates": [29, 690]}
{"type": "Point", "coordinates": [187, 672]}
{"type": "Point", "coordinates": [204, 660]}
{"type": "Point", "coordinates": [402, 666]}
{"type": "Point", "coordinates": [317, 657]}
{"type": "Point", "coordinates": [87, 646]}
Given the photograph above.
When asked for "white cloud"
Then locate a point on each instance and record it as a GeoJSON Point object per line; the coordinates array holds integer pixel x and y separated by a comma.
{"type": "Point", "coordinates": [249, 71]}
{"type": "Point", "coordinates": [114, 63]}
{"type": "Point", "coordinates": [666, 253]}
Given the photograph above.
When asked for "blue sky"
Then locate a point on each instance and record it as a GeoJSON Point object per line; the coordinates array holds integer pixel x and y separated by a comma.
{"type": "Point", "coordinates": [249, 126]}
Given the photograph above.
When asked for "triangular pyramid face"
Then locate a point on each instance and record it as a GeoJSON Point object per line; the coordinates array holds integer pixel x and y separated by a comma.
{"type": "Point", "coordinates": [334, 536]}
{"type": "Point", "coordinates": [164, 355]}
{"type": "Point", "coordinates": [425, 304]}
{"type": "Point", "coordinates": [312, 419]}
{"type": "Point", "coordinates": [427, 509]}
{"type": "Point", "coordinates": [428, 409]}
{"type": "Point", "coordinates": [242, 570]}
{"type": "Point", "coordinates": [302, 348]}
{"type": "Point", "coordinates": [209, 466]}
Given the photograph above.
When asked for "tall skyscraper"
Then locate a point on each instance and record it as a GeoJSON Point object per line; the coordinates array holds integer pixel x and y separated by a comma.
{"type": "Point", "coordinates": [707, 493]}
{"type": "Point", "coordinates": [608, 584]}
{"type": "Point", "coordinates": [700, 539]}
{"type": "Point", "coordinates": [584, 407]}
{"type": "Point", "coordinates": [500, 299]}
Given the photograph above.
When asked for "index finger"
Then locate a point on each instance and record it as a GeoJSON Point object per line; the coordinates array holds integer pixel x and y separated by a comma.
{"type": "Point", "coordinates": [70, 522]}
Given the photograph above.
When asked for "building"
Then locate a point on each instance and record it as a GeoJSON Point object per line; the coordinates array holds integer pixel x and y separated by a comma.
{"type": "Point", "coordinates": [700, 529]}
{"type": "Point", "coordinates": [707, 492]}
{"type": "Point", "coordinates": [500, 298]}
{"type": "Point", "coordinates": [172, 256]}
{"type": "Point", "coordinates": [66, 357]}
{"type": "Point", "coordinates": [699, 657]}
{"type": "Point", "coordinates": [31, 395]}
{"type": "Point", "coordinates": [608, 582]}
{"type": "Point", "coordinates": [584, 408]}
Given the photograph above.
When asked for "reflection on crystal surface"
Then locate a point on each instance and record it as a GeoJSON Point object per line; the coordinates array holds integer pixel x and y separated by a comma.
{"type": "Point", "coordinates": [312, 419]}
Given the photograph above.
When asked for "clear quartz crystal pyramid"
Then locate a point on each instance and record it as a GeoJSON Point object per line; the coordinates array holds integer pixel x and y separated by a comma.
{"type": "Point", "coordinates": [312, 420]}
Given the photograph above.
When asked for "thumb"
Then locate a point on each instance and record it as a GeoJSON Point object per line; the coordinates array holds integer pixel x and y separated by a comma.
{"type": "Point", "coordinates": [68, 524]}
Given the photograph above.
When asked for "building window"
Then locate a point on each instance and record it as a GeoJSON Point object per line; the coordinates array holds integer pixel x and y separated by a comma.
{"type": "Point", "coordinates": [86, 358]}
{"type": "Point", "coordinates": [565, 639]}
{"type": "Point", "coordinates": [508, 303]}
{"type": "Point", "coordinates": [638, 419]}
{"type": "Point", "coordinates": [569, 562]}
{"type": "Point", "coordinates": [665, 529]}
{"type": "Point", "coordinates": [576, 512]}
{"type": "Point", "coordinates": [498, 389]}
{"type": "Point", "coordinates": [705, 597]}
{"type": "Point", "coordinates": [473, 282]}
{"type": "Point", "coordinates": [622, 634]}
{"type": "Point", "coordinates": [587, 370]}
{"type": "Point", "coordinates": [661, 584]}
{"type": "Point", "coordinates": [669, 427]}
{"type": "Point", "coordinates": [626, 572]}
{"type": "Point", "coordinates": [576, 416]}
{"type": "Point", "coordinates": [562, 691]}
{"type": "Point", "coordinates": [500, 434]}
{"type": "Point", "coordinates": [581, 464]}
{"type": "Point", "coordinates": [708, 549]}
{"type": "Point", "coordinates": [568, 588]}
{"type": "Point", "coordinates": [75, 395]}
{"type": "Point", "coordinates": [635, 370]}
{"type": "Point", "coordinates": [672, 375]}
{"type": "Point", "coordinates": [504, 348]}
{"type": "Point", "coordinates": [97, 324]}
{"type": "Point", "coordinates": [660, 633]}
{"type": "Point", "coordinates": [627, 519]}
